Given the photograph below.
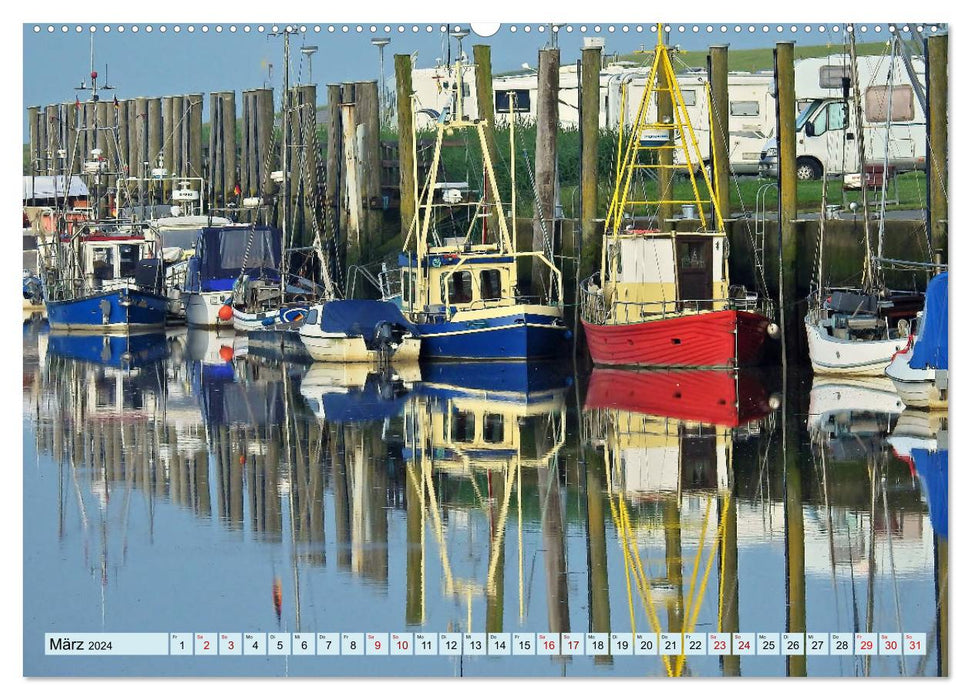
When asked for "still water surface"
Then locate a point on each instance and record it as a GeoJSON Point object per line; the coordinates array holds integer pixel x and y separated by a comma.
{"type": "Point", "coordinates": [178, 483]}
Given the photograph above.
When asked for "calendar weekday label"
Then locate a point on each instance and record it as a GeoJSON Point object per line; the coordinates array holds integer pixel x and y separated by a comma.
{"type": "Point", "coordinates": [493, 644]}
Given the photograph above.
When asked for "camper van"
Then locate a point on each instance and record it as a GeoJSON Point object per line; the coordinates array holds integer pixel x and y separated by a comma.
{"type": "Point", "coordinates": [826, 129]}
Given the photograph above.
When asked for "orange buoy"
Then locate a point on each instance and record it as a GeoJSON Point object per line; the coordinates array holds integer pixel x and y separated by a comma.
{"type": "Point", "coordinates": [226, 353]}
{"type": "Point", "coordinates": [225, 312]}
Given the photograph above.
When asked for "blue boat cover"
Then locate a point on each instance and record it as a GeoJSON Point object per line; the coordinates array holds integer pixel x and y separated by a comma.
{"type": "Point", "coordinates": [362, 317]}
{"type": "Point", "coordinates": [224, 253]}
{"type": "Point", "coordinates": [930, 350]}
{"type": "Point", "coordinates": [932, 469]}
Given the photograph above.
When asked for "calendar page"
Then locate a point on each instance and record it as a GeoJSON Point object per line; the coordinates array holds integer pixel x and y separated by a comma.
{"type": "Point", "coordinates": [515, 349]}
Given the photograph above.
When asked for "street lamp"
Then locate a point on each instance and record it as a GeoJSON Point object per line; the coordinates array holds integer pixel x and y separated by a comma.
{"type": "Point", "coordinates": [381, 42]}
{"type": "Point", "coordinates": [309, 52]}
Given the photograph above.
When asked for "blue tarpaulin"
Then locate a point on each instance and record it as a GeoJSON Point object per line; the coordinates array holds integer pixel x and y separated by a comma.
{"type": "Point", "coordinates": [361, 317]}
{"type": "Point", "coordinates": [930, 350]}
{"type": "Point", "coordinates": [932, 469]}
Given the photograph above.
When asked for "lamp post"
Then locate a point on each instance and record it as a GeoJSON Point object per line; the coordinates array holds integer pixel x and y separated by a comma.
{"type": "Point", "coordinates": [309, 52]}
{"type": "Point", "coordinates": [381, 42]}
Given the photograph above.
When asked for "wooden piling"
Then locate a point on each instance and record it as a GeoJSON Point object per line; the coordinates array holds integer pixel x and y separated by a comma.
{"type": "Point", "coordinates": [335, 150]}
{"type": "Point", "coordinates": [351, 197]}
{"type": "Point", "coordinates": [155, 132]}
{"type": "Point", "coordinates": [728, 564]}
{"type": "Point", "coordinates": [217, 178]}
{"type": "Point", "coordinates": [33, 123]}
{"type": "Point", "coordinates": [547, 122]}
{"type": "Point", "coordinates": [795, 532]}
{"type": "Point", "coordinates": [665, 115]}
{"type": "Point", "coordinates": [264, 134]}
{"type": "Point", "coordinates": [406, 143]}
{"type": "Point", "coordinates": [168, 140]}
{"type": "Point", "coordinates": [590, 63]}
{"type": "Point", "coordinates": [786, 142]}
{"type": "Point", "coordinates": [369, 156]}
{"type": "Point", "coordinates": [123, 146]}
{"type": "Point", "coordinates": [308, 162]}
{"type": "Point", "coordinates": [718, 78]}
{"type": "Point", "coordinates": [179, 123]}
{"type": "Point", "coordinates": [229, 145]}
{"type": "Point", "coordinates": [73, 157]}
{"type": "Point", "coordinates": [937, 85]}
{"type": "Point", "coordinates": [598, 583]}
{"type": "Point", "coordinates": [193, 166]}
{"type": "Point", "coordinates": [482, 54]}
{"type": "Point", "coordinates": [48, 130]}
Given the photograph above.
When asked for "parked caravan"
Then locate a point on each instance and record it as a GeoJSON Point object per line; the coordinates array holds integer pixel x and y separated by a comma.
{"type": "Point", "coordinates": [826, 129]}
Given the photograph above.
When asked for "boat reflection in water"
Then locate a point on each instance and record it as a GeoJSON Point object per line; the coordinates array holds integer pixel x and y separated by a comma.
{"type": "Point", "coordinates": [668, 442]}
{"type": "Point", "coordinates": [473, 436]}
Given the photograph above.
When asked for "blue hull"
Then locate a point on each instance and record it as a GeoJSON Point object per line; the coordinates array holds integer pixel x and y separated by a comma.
{"type": "Point", "coordinates": [120, 309]}
{"type": "Point", "coordinates": [500, 338]}
{"type": "Point", "coordinates": [122, 351]}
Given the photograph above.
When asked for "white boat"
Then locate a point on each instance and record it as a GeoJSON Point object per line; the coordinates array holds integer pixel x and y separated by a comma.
{"type": "Point", "coordinates": [920, 371]}
{"type": "Point", "coordinates": [835, 349]}
{"type": "Point", "coordinates": [351, 330]}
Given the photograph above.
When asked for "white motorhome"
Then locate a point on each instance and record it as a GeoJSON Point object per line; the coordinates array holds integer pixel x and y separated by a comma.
{"type": "Point", "coordinates": [826, 129]}
{"type": "Point", "coordinates": [751, 104]}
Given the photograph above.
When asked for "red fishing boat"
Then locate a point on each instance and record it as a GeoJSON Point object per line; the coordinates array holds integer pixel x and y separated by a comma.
{"type": "Point", "coordinates": [662, 297]}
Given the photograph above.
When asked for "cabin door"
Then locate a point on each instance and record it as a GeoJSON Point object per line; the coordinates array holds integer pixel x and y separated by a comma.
{"type": "Point", "coordinates": [699, 458]}
{"type": "Point", "coordinates": [695, 271]}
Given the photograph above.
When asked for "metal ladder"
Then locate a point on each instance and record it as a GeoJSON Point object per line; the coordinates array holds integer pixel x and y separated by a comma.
{"type": "Point", "coordinates": [759, 234]}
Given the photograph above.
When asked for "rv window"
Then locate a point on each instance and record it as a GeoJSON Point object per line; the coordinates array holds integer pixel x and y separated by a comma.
{"type": "Point", "coordinates": [520, 100]}
{"type": "Point", "coordinates": [463, 426]}
{"type": "Point", "coordinates": [492, 431]}
{"type": "Point", "coordinates": [690, 98]}
{"type": "Point", "coordinates": [837, 115]}
{"type": "Point", "coordinates": [743, 109]}
{"type": "Point", "coordinates": [831, 77]}
{"type": "Point", "coordinates": [460, 287]}
{"type": "Point", "coordinates": [491, 284]}
{"type": "Point", "coordinates": [901, 103]}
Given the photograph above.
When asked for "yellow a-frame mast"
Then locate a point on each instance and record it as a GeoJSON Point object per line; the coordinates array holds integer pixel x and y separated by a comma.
{"type": "Point", "coordinates": [677, 135]}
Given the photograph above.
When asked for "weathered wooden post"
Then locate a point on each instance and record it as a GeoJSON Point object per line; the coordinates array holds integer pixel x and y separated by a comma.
{"type": "Point", "coordinates": [227, 106]}
{"type": "Point", "coordinates": [937, 82]}
{"type": "Point", "coordinates": [193, 166]}
{"type": "Point", "coordinates": [788, 245]}
{"type": "Point", "coordinates": [406, 143]}
{"type": "Point", "coordinates": [590, 63]}
{"type": "Point", "coordinates": [718, 77]}
{"type": "Point", "coordinates": [351, 208]}
{"type": "Point", "coordinates": [123, 147]}
{"type": "Point", "coordinates": [156, 133]}
{"type": "Point", "coordinates": [264, 136]}
{"type": "Point", "coordinates": [369, 127]}
{"type": "Point", "coordinates": [33, 123]}
{"type": "Point", "coordinates": [547, 122]}
{"type": "Point", "coordinates": [168, 138]}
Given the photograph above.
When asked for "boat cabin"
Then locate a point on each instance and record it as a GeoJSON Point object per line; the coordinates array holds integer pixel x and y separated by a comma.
{"type": "Point", "coordinates": [455, 280]}
{"type": "Point", "coordinates": [224, 253]}
{"type": "Point", "coordinates": [650, 273]}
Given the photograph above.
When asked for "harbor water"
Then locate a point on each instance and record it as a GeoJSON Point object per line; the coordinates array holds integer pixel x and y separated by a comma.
{"type": "Point", "coordinates": [187, 482]}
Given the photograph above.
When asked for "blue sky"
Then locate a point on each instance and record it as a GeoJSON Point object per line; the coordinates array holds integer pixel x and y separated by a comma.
{"type": "Point", "coordinates": [155, 63]}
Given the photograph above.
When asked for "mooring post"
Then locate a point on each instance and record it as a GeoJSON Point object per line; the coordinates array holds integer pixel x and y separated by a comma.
{"type": "Point", "coordinates": [485, 99]}
{"type": "Point", "coordinates": [407, 192]}
{"type": "Point", "coordinates": [168, 138]}
{"type": "Point", "coordinates": [352, 187]}
{"type": "Point", "coordinates": [51, 140]}
{"type": "Point", "coordinates": [72, 162]}
{"type": "Point", "coordinates": [217, 179]}
{"type": "Point", "coordinates": [936, 166]}
{"type": "Point", "coordinates": [369, 123]}
{"type": "Point", "coordinates": [155, 132]}
{"type": "Point", "coordinates": [665, 156]}
{"type": "Point", "coordinates": [265, 161]}
{"type": "Point", "coordinates": [230, 176]}
{"type": "Point", "coordinates": [788, 245]}
{"type": "Point", "coordinates": [193, 168]}
{"type": "Point", "coordinates": [718, 77]}
{"type": "Point", "coordinates": [590, 62]}
{"type": "Point", "coordinates": [547, 122]}
{"type": "Point", "coordinates": [795, 539]}
{"type": "Point", "coordinates": [33, 122]}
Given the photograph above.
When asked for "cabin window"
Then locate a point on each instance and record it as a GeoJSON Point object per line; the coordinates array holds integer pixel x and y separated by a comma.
{"type": "Point", "coordinates": [690, 98]}
{"type": "Point", "coordinates": [103, 263]}
{"type": "Point", "coordinates": [901, 103]}
{"type": "Point", "coordinates": [744, 109]}
{"type": "Point", "coordinates": [693, 255]}
{"type": "Point", "coordinates": [407, 287]}
{"type": "Point", "coordinates": [312, 317]}
{"type": "Point", "coordinates": [463, 426]}
{"type": "Point", "coordinates": [460, 287]}
{"type": "Point", "coordinates": [492, 428]}
{"type": "Point", "coordinates": [491, 283]}
{"type": "Point", "coordinates": [831, 77]}
{"type": "Point", "coordinates": [128, 256]}
{"type": "Point", "coordinates": [520, 100]}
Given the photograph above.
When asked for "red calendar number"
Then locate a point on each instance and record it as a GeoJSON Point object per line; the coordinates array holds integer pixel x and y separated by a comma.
{"type": "Point", "coordinates": [205, 645]}
{"type": "Point", "coordinates": [721, 646]}
{"type": "Point", "coordinates": [914, 645]}
{"type": "Point", "coordinates": [549, 645]}
{"type": "Point", "coordinates": [866, 645]}
{"type": "Point", "coordinates": [890, 644]}
{"type": "Point", "coordinates": [573, 644]}
{"type": "Point", "coordinates": [402, 644]}
{"type": "Point", "coordinates": [744, 645]}
{"type": "Point", "coordinates": [230, 645]}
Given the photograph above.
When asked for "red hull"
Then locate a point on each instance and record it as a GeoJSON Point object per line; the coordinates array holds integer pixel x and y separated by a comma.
{"type": "Point", "coordinates": [713, 339]}
{"type": "Point", "coordinates": [713, 397]}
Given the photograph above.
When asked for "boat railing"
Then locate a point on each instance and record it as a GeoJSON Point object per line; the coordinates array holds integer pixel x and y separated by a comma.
{"type": "Point", "coordinates": [596, 308]}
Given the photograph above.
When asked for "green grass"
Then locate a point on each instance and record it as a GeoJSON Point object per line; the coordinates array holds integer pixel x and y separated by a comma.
{"type": "Point", "coordinates": [752, 59]}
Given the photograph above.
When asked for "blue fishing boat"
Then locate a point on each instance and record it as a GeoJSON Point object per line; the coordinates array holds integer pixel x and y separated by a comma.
{"type": "Point", "coordinates": [109, 281]}
{"type": "Point", "coordinates": [459, 280]}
